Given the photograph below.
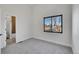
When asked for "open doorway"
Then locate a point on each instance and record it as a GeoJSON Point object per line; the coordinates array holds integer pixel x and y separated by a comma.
{"type": "Point", "coordinates": [11, 30]}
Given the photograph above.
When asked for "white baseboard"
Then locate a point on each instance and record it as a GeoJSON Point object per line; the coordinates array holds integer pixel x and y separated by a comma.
{"type": "Point", "coordinates": [23, 39]}
{"type": "Point", "coordinates": [67, 45]}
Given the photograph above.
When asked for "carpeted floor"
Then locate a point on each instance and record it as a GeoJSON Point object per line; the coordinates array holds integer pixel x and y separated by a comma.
{"type": "Point", "coordinates": [10, 41]}
{"type": "Point", "coordinates": [35, 46]}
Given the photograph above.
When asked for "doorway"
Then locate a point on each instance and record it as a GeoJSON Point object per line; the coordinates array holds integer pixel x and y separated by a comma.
{"type": "Point", "coordinates": [11, 30]}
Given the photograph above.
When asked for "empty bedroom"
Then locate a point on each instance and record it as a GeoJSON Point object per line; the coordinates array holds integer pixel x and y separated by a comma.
{"type": "Point", "coordinates": [36, 28]}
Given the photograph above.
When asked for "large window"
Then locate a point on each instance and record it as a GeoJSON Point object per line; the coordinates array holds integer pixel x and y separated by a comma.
{"type": "Point", "coordinates": [53, 24]}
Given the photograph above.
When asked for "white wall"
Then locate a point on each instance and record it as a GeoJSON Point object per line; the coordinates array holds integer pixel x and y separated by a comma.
{"type": "Point", "coordinates": [75, 28]}
{"type": "Point", "coordinates": [0, 31]}
{"type": "Point", "coordinates": [41, 11]}
{"type": "Point", "coordinates": [23, 17]}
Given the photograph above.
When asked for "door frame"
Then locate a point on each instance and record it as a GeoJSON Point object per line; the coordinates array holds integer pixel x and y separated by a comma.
{"type": "Point", "coordinates": [10, 21]}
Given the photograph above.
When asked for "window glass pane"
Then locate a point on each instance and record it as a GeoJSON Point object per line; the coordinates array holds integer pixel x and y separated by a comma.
{"type": "Point", "coordinates": [56, 24]}
{"type": "Point", "coordinates": [47, 24]}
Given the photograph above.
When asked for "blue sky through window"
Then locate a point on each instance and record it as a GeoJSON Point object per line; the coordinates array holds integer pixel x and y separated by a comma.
{"type": "Point", "coordinates": [54, 19]}
{"type": "Point", "coordinates": [47, 21]}
{"type": "Point", "coordinates": [58, 20]}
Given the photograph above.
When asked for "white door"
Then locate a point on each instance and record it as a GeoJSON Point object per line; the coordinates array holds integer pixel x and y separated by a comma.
{"type": "Point", "coordinates": [8, 26]}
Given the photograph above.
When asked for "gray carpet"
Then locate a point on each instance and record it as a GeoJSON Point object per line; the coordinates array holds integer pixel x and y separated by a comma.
{"type": "Point", "coordinates": [35, 46]}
